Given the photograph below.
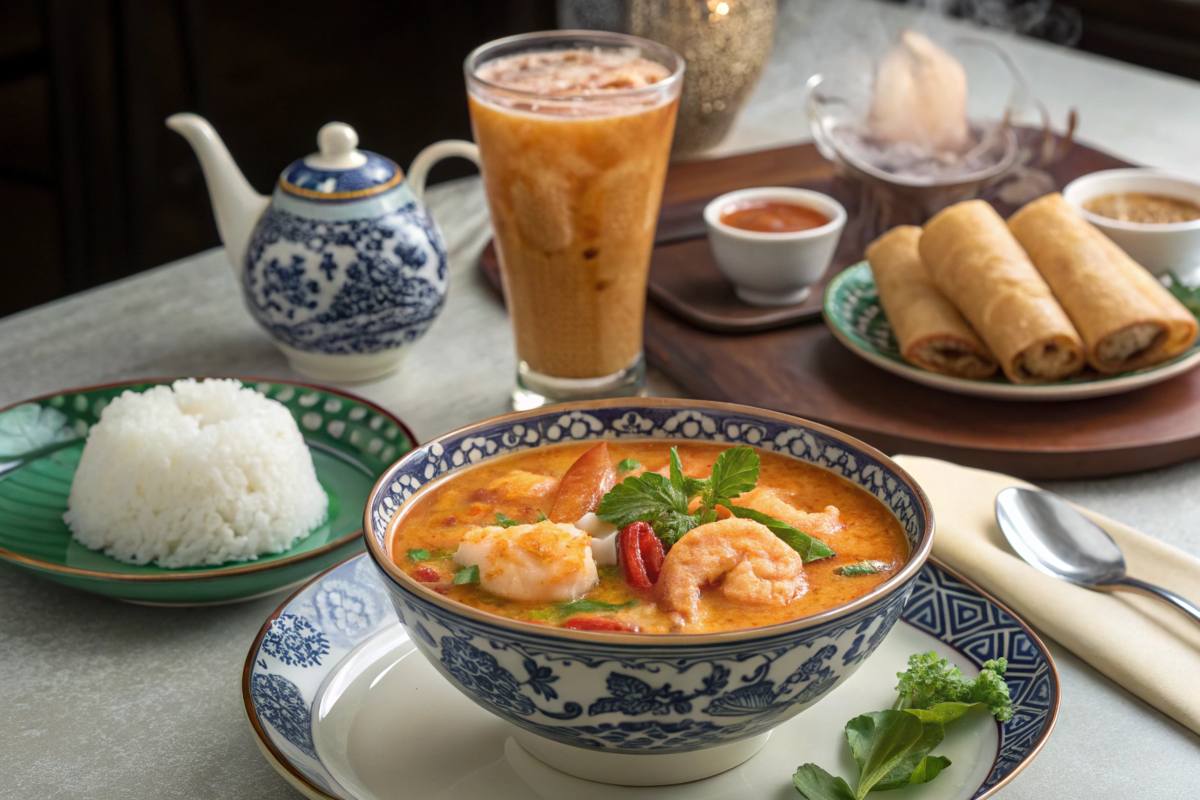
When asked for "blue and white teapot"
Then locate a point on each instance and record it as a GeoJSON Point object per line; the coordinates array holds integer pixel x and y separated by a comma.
{"type": "Point", "coordinates": [342, 265]}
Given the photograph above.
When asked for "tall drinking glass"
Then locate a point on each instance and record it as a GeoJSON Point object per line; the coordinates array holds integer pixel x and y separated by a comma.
{"type": "Point", "coordinates": [574, 132]}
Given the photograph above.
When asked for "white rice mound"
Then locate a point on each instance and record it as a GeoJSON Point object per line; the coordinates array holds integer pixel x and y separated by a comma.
{"type": "Point", "coordinates": [194, 474]}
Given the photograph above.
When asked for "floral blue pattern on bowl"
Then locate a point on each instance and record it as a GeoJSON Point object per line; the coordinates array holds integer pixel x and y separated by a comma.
{"type": "Point", "coordinates": [314, 630]}
{"type": "Point", "coordinates": [639, 693]}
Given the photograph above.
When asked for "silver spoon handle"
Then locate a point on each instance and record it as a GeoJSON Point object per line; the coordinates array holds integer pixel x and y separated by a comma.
{"type": "Point", "coordinates": [1150, 590]}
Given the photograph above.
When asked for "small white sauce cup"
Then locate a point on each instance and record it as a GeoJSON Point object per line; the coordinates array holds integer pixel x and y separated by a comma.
{"type": "Point", "coordinates": [774, 269]}
{"type": "Point", "coordinates": [1159, 247]}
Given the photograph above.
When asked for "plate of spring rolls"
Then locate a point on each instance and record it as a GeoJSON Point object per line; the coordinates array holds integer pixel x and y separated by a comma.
{"type": "Point", "coordinates": [1042, 306]}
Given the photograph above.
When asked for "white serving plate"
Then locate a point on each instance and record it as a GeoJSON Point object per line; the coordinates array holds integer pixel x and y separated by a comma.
{"type": "Point", "coordinates": [343, 706]}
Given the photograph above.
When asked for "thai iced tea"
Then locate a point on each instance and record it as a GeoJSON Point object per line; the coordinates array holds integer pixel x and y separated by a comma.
{"type": "Point", "coordinates": [574, 146]}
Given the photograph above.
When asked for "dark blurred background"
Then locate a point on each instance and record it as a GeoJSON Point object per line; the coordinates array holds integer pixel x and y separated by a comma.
{"type": "Point", "coordinates": [93, 187]}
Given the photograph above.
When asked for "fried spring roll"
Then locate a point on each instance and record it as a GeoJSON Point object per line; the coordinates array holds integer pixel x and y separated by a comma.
{"type": "Point", "coordinates": [1126, 317]}
{"type": "Point", "coordinates": [975, 261]}
{"type": "Point", "coordinates": [932, 333]}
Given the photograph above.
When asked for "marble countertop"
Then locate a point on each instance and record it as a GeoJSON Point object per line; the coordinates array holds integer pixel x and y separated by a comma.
{"type": "Point", "coordinates": [105, 700]}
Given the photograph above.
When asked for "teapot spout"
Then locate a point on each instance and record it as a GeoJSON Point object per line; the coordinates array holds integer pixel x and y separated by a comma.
{"type": "Point", "coordinates": [236, 205]}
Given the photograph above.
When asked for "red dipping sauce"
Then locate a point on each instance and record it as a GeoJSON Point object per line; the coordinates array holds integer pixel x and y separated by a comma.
{"type": "Point", "coordinates": [772, 216]}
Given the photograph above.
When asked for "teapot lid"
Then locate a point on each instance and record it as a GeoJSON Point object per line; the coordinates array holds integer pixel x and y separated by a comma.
{"type": "Point", "coordinates": [340, 171]}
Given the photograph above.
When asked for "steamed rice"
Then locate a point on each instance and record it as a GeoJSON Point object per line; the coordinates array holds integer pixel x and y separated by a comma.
{"type": "Point", "coordinates": [194, 474]}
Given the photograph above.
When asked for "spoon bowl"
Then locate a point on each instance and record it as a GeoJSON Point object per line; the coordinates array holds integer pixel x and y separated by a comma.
{"type": "Point", "coordinates": [1054, 538]}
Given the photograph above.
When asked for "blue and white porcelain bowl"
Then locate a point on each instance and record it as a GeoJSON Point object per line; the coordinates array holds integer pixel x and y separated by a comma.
{"type": "Point", "coordinates": [645, 709]}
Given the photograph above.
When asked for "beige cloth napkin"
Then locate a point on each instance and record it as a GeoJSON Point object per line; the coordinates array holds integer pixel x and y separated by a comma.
{"type": "Point", "coordinates": [1142, 644]}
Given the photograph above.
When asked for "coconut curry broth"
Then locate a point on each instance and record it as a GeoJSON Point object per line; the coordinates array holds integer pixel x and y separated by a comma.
{"type": "Point", "coordinates": [523, 487]}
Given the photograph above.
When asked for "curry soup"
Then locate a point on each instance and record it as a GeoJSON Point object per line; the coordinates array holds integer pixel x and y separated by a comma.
{"type": "Point", "coordinates": [705, 567]}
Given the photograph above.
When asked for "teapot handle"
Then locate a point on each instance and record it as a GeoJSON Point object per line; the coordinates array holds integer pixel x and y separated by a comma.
{"type": "Point", "coordinates": [419, 171]}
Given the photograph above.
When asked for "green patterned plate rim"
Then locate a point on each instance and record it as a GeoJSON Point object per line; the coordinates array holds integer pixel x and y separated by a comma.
{"type": "Point", "coordinates": [348, 436]}
{"type": "Point", "coordinates": [853, 313]}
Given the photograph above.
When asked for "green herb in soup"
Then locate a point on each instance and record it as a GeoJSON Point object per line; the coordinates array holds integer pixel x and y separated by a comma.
{"type": "Point", "coordinates": [639, 536]}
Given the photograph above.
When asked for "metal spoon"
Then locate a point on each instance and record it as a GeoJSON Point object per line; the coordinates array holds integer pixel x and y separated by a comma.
{"type": "Point", "coordinates": [1056, 539]}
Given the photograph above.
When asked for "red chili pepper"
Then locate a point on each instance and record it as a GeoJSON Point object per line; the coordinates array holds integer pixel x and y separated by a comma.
{"type": "Point", "coordinates": [641, 555]}
{"type": "Point", "coordinates": [598, 624]}
{"type": "Point", "coordinates": [427, 575]}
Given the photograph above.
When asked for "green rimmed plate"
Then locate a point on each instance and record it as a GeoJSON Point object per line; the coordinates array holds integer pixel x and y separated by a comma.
{"type": "Point", "coordinates": [352, 442]}
{"type": "Point", "coordinates": [853, 313]}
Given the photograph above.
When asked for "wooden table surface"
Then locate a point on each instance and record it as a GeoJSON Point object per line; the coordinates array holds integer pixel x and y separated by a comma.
{"type": "Point", "coordinates": [103, 699]}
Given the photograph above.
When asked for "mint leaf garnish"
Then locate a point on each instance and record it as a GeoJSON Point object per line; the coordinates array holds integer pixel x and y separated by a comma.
{"type": "Point", "coordinates": [419, 555]}
{"type": "Point", "coordinates": [628, 465]}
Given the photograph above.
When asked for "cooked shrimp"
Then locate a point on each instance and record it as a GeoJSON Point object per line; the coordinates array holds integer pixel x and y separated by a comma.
{"type": "Point", "coordinates": [547, 561]}
{"type": "Point", "coordinates": [522, 485]}
{"type": "Point", "coordinates": [821, 524]}
{"type": "Point", "coordinates": [747, 562]}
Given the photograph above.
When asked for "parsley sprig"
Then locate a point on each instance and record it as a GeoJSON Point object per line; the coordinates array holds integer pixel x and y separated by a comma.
{"type": "Point", "coordinates": [663, 502]}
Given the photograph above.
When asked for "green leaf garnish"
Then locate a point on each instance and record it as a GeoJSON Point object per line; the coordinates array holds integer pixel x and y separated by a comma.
{"type": "Point", "coordinates": [879, 741]}
{"type": "Point", "coordinates": [467, 575]}
{"type": "Point", "coordinates": [591, 606]}
{"type": "Point", "coordinates": [929, 768]}
{"type": "Point", "coordinates": [907, 760]}
{"type": "Point", "coordinates": [861, 568]}
{"type": "Point", "coordinates": [663, 502]}
{"type": "Point", "coordinates": [817, 784]}
{"type": "Point", "coordinates": [628, 465]}
{"type": "Point", "coordinates": [418, 555]}
{"type": "Point", "coordinates": [810, 549]}
{"type": "Point", "coordinates": [734, 472]}
{"type": "Point", "coordinates": [505, 521]}
{"type": "Point", "coordinates": [541, 516]}
{"type": "Point", "coordinates": [892, 748]}
{"type": "Point", "coordinates": [930, 681]}
{"type": "Point", "coordinates": [651, 498]}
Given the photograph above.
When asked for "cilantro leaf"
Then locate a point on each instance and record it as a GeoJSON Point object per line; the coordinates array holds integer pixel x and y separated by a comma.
{"type": "Point", "coordinates": [628, 465]}
{"type": "Point", "coordinates": [419, 555]}
{"type": "Point", "coordinates": [505, 521]}
{"type": "Point", "coordinates": [734, 472]}
{"type": "Point", "coordinates": [467, 575]}
{"type": "Point", "coordinates": [541, 516]}
{"type": "Point", "coordinates": [644, 498]}
{"type": "Point", "coordinates": [810, 549]}
{"type": "Point", "coordinates": [815, 783]}
{"type": "Point", "coordinates": [861, 568]}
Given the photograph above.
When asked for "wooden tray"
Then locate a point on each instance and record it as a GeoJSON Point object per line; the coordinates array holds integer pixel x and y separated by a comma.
{"type": "Point", "coordinates": [803, 370]}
